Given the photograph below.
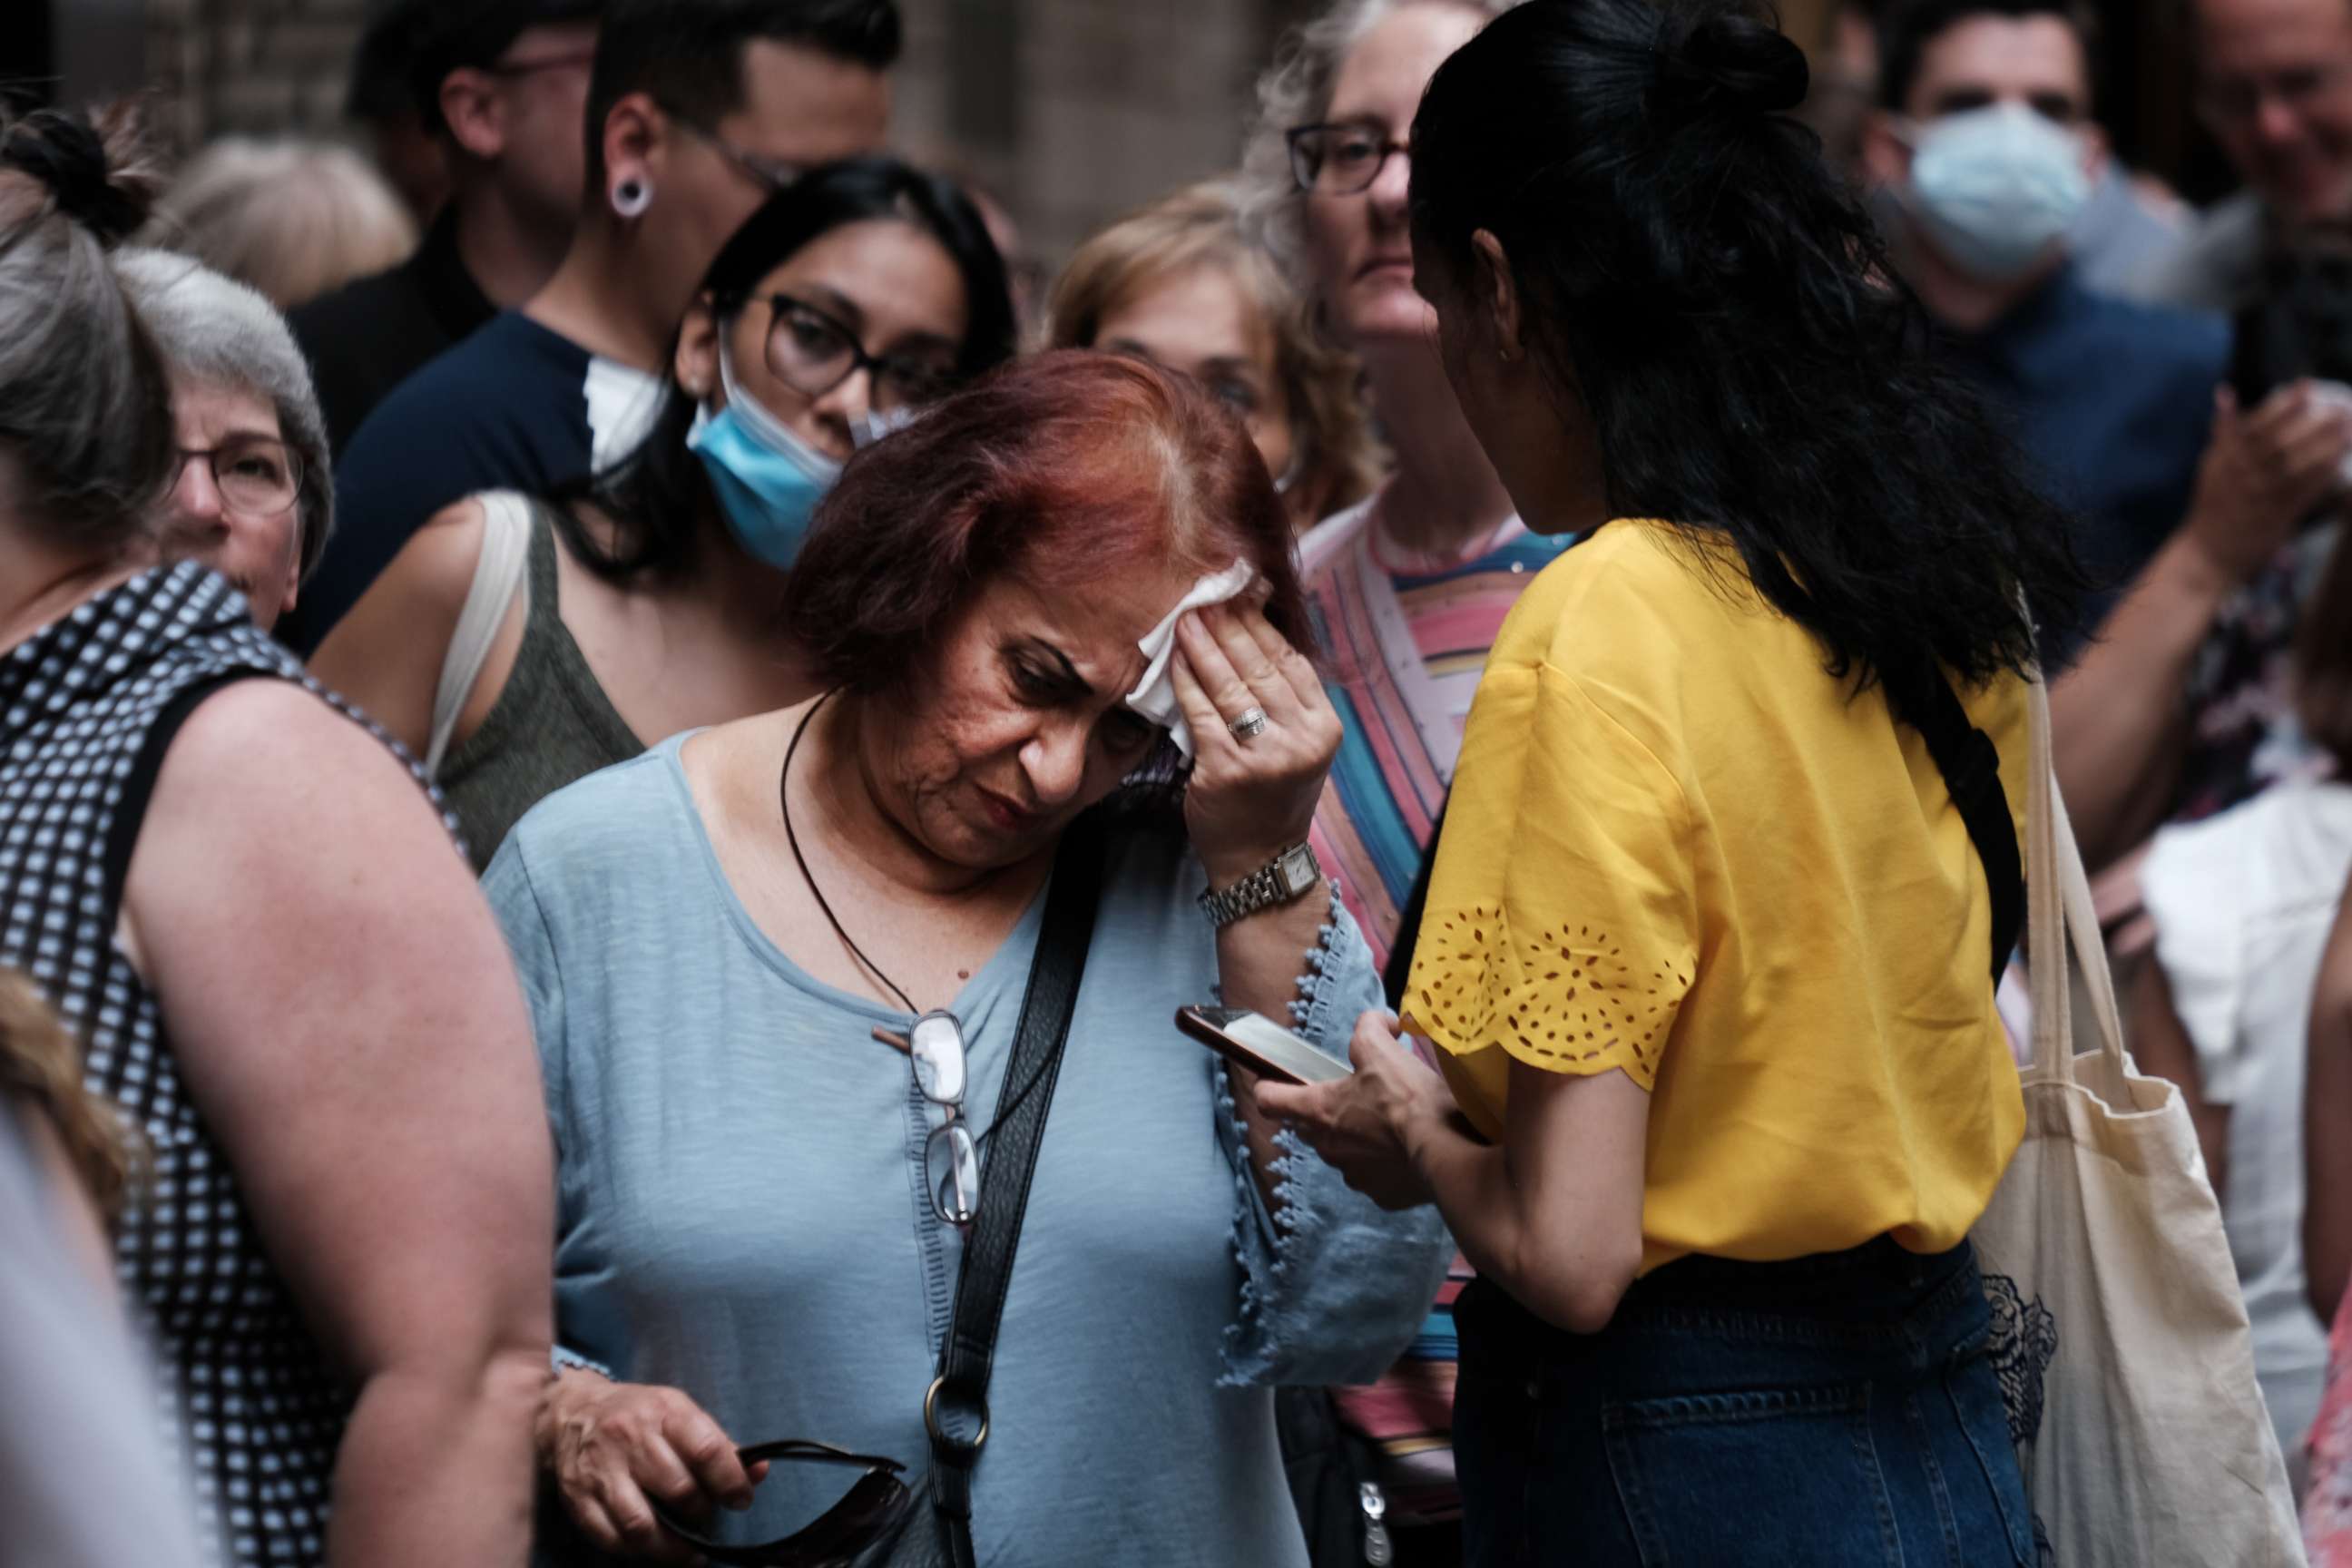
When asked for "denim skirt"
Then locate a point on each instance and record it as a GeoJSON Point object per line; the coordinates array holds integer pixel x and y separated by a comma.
{"type": "Point", "coordinates": [1827, 1411]}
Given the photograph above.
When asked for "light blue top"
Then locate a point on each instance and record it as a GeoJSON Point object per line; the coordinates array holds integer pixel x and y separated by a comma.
{"type": "Point", "coordinates": [742, 1213]}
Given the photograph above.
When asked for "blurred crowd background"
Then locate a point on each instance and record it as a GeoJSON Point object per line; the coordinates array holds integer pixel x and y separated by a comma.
{"type": "Point", "coordinates": [1067, 112]}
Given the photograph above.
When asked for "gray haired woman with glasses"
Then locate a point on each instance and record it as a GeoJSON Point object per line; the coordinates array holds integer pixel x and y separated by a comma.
{"type": "Point", "coordinates": [254, 498]}
{"type": "Point", "coordinates": [520, 642]}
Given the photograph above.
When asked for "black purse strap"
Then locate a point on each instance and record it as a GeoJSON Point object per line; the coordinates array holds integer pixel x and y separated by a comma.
{"type": "Point", "coordinates": [1970, 764]}
{"type": "Point", "coordinates": [1399, 972]}
{"type": "Point", "coordinates": [958, 1394]}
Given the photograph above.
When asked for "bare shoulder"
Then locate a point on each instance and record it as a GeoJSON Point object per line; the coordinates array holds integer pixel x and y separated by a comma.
{"type": "Point", "coordinates": [274, 751]}
{"type": "Point", "coordinates": [386, 653]}
{"type": "Point", "coordinates": [437, 565]}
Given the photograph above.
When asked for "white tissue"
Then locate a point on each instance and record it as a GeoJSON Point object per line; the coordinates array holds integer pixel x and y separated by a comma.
{"type": "Point", "coordinates": [1155, 698]}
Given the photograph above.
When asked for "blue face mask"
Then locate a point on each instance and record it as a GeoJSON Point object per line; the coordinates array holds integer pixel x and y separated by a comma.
{"type": "Point", "coordinates": [769, 480]}
{"type": "Point", "coordinates": [1995, 187]}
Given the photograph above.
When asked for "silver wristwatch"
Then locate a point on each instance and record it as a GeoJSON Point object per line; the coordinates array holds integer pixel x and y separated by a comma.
{"type": "Point", "coordinates": [1287, 876]}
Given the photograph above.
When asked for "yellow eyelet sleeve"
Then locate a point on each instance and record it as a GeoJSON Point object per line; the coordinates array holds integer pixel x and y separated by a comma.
{"type": "Point", "coordinates": [1678, 846]}
{"type": "Point", "coordinates": [1562, 925]}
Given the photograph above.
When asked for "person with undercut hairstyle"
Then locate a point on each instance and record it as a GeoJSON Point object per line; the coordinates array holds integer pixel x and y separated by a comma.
{"type": "Point", "coordinates": [699, 110]}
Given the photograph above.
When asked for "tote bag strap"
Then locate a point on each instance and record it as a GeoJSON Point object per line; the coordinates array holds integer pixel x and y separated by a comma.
{"type": "Point", "coordinates": [498, 577]}
{"type": "Point", "coordinates": [2060, 916]}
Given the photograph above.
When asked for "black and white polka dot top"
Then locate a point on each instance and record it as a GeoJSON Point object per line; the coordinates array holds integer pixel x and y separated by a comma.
{"type": "Point", "coordinates": [88, 706]}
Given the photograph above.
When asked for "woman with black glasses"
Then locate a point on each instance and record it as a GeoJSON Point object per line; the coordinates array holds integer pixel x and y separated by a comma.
{"type": "Point", "coordinates": [518, 644]}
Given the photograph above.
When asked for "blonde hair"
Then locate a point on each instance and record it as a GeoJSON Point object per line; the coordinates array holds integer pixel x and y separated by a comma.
{"type": "Point", "coordinates": [40, 1066]}
{"type": "Point", "coordinates": [292, 219]}
{"type": "Point", "coordinates": [1337, 461]}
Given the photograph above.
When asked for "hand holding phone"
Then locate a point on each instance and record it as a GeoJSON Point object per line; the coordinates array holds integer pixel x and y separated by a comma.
{"type": "Point", "coordinates": [1253, 1041]}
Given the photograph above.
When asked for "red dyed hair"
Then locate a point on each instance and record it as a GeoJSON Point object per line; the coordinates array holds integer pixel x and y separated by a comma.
{"type": "Point", "coordinates": [1064, 469]}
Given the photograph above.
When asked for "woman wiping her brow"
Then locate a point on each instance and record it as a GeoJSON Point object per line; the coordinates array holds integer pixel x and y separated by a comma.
{"type": "Point", "coordinates": [1047, 593]}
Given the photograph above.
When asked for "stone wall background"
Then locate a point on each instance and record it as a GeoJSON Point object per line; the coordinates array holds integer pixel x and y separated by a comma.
{"type": "Point", "coordinates": [1070, 111]}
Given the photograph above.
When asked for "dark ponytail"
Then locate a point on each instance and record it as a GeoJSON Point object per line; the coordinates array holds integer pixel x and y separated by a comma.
{"type": "Point", "coordinates": [1712, 295]}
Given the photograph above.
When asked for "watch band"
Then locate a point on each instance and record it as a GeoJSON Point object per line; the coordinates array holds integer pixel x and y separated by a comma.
{"type": "Point", "coordinates": [1287, 876]}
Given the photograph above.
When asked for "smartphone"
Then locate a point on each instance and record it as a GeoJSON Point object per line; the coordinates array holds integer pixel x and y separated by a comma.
{"type": "Point", "coordinates": [2297, 325]}
{"type": "Point", "coordinates": [1259, 1043]}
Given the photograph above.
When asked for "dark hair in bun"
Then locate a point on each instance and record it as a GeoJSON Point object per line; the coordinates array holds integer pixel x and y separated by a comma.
{"type": "Point", "coordinates": [85, 401]}
{"type": "Point", "coordinates": [96, 174]}
{"type": "Point", "coordinates": [1697, 283]}
{"type": "Point", "coordinates": [1720, 62]}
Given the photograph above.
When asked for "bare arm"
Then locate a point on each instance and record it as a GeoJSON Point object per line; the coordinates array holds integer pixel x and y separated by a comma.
{"type": "Point", "coordinates": [2327, 1128]}
{"type": "Point", "coordinates": [2162, 1045]}
{"type": "Point", "coordinates": [2117, 719]}
{"type": "Point", "coordinates": [1552, 1213]}
{"type": "Point", "coordinates": [348, 1021]}
{"type": "Point", "coordinates": [386, 655]}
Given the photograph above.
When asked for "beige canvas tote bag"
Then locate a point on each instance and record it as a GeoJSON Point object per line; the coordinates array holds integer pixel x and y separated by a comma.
{"type": "Point", "coordinates": [2120, 1333]}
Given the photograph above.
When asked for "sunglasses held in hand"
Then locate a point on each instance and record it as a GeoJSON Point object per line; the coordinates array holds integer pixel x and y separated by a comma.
{"type": "Point", "coordinates": [872, 1512]}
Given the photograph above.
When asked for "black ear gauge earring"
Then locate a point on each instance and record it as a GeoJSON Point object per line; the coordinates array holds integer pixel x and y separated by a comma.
{"type": "Point", "coordinates": [632, 196]}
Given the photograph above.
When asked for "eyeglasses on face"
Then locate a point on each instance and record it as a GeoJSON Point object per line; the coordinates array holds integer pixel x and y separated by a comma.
{"type": "Point", "coordinates": [772, 175]}
{"type": "Point", "coordinates": [255, 475]}
{"type": "Point", "coordinates": [581, 58]}
{"type": "Point", "coordinates": [1342, 158]}
{"type": "Point", "coordinates": [874, 1506]}
{"type": "Point", "coordinates": [2233, 102]}
{"type": "Point", "coordinates": [812, 351]}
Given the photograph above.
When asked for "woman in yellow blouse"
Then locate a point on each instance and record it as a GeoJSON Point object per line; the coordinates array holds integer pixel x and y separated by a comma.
{"type": "Point", "coordinates": [1710, 939]}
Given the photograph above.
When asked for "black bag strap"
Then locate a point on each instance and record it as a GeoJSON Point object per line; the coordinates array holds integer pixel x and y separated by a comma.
{"type": "Point", "coordinates": [1416, 904]}
{"type": "Point", "coordinates": [959, 1392]}
{"type": "Point", "coordinates": [1970, 764]}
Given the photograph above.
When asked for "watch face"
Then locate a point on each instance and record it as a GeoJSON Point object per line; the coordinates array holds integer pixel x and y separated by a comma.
{"type": "Point", "coordinates": [1297, 871]}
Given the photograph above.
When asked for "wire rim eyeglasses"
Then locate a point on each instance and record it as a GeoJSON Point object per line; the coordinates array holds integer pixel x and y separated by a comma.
{"type": "Point", "coordinates": [770, 175]}
{"type": "Point", "coordinates": [951, 1155]}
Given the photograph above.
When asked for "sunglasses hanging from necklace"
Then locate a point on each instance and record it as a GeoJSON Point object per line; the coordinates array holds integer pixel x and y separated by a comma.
{"type": "Point", "coordinates": [933, 1042]}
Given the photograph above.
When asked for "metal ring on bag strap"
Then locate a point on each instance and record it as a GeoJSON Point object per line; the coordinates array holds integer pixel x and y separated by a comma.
{"type": "Point", "coordinates": [941, 1437]}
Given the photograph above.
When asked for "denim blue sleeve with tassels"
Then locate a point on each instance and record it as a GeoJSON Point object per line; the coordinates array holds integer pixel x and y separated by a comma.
{"type": "Point", "coordinates": [1328, 1279]}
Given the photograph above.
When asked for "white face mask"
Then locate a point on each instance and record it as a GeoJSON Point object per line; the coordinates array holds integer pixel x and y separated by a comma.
{"type": "Point", "coordinates": [1995, 187]}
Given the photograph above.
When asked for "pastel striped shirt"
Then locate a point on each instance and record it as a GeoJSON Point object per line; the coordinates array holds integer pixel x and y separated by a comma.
{"type": "Point", "coordinates": [1405, 642]}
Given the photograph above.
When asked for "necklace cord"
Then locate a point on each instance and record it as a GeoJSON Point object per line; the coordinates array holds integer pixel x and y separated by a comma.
{"type": "Point", "coordinates": [784, 800]}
